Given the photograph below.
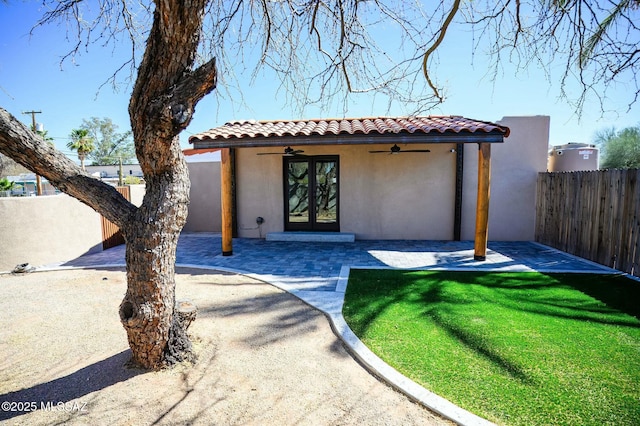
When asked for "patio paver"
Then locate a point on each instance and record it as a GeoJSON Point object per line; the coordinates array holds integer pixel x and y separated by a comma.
{"type": "Point", "coordinates": [316, 265]}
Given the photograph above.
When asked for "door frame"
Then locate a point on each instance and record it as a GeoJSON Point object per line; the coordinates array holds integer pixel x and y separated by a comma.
{"type": "Point", "coordinates": [312, 225]}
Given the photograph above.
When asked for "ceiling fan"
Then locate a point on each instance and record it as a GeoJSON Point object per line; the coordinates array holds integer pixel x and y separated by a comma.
{"type": "Point", "coordinates": [288, 151]}
{"type": "Point", "coordinates": [395, 149]}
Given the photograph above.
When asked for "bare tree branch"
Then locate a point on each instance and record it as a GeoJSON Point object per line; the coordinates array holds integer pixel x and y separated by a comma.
{"type": "Point", "coordinates": [430, 50]}
{"type": "Point", "coordinates": [24, 146]}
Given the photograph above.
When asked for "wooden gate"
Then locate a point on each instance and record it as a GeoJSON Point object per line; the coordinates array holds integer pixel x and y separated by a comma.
{"type": "Point", "coordinates": [111, 235]}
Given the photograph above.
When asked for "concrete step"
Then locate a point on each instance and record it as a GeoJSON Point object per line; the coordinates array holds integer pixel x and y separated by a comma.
{"type": "Point", "coordinates": [328, 237]}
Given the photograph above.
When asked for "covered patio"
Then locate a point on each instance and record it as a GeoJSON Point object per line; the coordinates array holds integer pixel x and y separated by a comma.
{"type": "Point", "coordinates": [404, 131]}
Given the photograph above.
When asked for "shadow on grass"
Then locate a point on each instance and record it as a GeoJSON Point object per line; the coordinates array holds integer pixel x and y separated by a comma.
{"type": "Point", "coordinates": [439, 296]}
{"type": "Point", "coordinates": [599, 298]}
{"type": "Point", "coordinates": [375, 291]}
{"type": "Point", "coordinates": [616, 291]}
{"type": "Point", "coordinates": [438, 311]}
{"type": "Point", "coordinates": [91, 378]}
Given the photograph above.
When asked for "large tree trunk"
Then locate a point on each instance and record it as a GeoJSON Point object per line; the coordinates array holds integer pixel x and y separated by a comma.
{"type": "Point", "coordinates": [161, 106]}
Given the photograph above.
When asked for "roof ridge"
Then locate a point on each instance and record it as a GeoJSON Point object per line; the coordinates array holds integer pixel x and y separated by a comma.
{"type": "Point", "coordinates": [328, 119]}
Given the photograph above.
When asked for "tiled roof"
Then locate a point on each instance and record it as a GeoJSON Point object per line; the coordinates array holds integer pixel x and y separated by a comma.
{"type": "Point", "coordinates": [352, 126]}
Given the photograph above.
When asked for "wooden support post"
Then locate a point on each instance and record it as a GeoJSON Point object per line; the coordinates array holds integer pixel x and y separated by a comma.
{"type": "Point", "coordinates": [38, 185]}
{"type": "Point", "coordinates": [226, 201]}
{"type": "Point", "coordinates": [482, 203]}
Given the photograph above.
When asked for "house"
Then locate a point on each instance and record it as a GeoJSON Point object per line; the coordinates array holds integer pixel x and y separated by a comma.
{"type": "Point", "coordinates": [111, 172]}
{"type": "Point", "coordinates": [420, 178]}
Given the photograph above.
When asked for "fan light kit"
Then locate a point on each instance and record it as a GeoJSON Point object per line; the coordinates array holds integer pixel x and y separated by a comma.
{"type": "Point", "coordinates": [395, 149]}
{"type": "Point", "coordinates": [288, 151]}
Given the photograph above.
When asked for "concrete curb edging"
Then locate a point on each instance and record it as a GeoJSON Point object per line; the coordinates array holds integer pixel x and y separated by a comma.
{"type": "Point", "coordinates": [376, 366]}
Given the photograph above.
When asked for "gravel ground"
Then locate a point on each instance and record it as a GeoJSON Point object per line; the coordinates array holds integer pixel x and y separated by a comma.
{"type": "Point", "coordinates": [265, 358]}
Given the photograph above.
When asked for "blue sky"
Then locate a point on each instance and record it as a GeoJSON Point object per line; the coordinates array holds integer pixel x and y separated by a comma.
{"type": "Point", "coordinates": [31, 78]}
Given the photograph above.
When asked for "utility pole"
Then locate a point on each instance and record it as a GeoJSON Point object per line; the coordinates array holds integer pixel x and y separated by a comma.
{"type": "Point", "coordinates": [33, 127]}
{"type": "Point", "coordinates": [120, 171]}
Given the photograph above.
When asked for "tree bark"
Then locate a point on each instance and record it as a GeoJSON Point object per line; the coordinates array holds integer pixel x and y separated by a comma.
{"type": "Point", "coordinates": [156, 338]}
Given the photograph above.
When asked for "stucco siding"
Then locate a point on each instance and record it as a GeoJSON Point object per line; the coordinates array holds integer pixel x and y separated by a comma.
{"type": "Point", "coordinates": [44, 230]}
{"type": "Point", "coordinates": [515, 165]}
{"type": "Point", "coordinates": [259, 192]}
{"type": "Point", "coordinates": [204, 198]}
{"type": "Point", "coordinates": [403, 196]}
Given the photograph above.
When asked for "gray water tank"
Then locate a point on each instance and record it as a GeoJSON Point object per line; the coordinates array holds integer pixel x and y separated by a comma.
{"type": "Point", "coordinates": [573, 157]}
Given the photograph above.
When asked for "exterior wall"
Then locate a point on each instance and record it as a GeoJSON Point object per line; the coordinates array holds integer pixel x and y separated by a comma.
{"type": "Point", "coordinates": [381, 196]}
{"type": "Point", "coordinates": [204, 207]}
{"type": "Point", "coordinates": [259, 192]}
{"type": "Point", "coordinates": [136, 192]}
{"type": "Point", "coordinates": [403, 196]}
{"type": "Point", "coordinates": [515, 165]}
{"type": "Point", "coordinates": [44, 230]}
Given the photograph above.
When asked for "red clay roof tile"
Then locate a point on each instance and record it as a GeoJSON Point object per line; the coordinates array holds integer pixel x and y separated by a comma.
{"type": "Point", "coordinates": [367, 126]}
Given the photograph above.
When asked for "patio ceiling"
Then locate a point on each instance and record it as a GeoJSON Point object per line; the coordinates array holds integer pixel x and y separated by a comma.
{"type": "Point", "coordinates": [351, 131]}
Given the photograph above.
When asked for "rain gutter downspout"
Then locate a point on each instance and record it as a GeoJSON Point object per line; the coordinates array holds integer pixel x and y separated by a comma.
{"type": "Point", "coordinates": [457, 215]}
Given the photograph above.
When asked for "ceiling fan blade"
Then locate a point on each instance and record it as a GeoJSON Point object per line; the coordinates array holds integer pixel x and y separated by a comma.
{"type": "Point", "coordinates": [395, 149]}
{"type": "Point", "coordinates": [288, 151]}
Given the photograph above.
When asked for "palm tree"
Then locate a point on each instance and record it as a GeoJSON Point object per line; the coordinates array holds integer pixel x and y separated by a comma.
{"type": "Point", "coordinates": [81, 143]}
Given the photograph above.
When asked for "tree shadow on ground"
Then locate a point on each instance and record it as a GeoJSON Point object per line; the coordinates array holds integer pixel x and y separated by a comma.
{"type": "Point", "coordinates": [284, 316]}
{"type": "Point", "coordinates": [288, 315]}
{"type": "Point", "coordinates": [91, 378]}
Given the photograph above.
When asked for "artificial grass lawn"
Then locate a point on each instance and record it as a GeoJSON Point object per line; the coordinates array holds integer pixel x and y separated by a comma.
{"type": "Point", "coordinates": [514, 348]}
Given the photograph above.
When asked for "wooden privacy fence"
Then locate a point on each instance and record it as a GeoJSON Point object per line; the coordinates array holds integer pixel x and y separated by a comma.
{"type": "Point", "coordinates": [111, 235]}
{"type": "Point", "coordinates": [594, 215]}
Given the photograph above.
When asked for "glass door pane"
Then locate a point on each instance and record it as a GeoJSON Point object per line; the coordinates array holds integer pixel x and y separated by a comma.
{"type": "Point", "coordinates": [326, 192]}
{"type": "Point", "coordinates": [298, 191]}
{"type": "Point", "coordinates": [311, 185]}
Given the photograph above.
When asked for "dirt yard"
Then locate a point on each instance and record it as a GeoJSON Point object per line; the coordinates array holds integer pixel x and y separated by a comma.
{"type": "Point", "coordinates": [265, 358]}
